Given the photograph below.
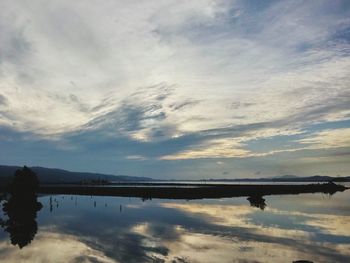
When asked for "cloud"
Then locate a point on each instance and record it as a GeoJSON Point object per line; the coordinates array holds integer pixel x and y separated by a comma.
{"type": "Point", "coordinates": [135, 157]}
{"type": "Point", "coordinates": [338, 138]}
{"type": "Point", "coordinates": [168, 46]}
{"type": "Point", "coordinates": [3, 100]}
{"type": "Point", "coordinates": [70, 247]}
{"type": "Point", "coordinates": [203, 78]}
{"type": "Point", "coordinates": [181, 105]}
{"type": "Point", "coordinates": [213, 149]}
{"type": "Point", "coordinates": [141, 116]}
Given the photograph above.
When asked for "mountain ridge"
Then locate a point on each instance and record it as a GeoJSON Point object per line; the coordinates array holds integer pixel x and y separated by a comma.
{"type": "Point", "coordinates": [288, 178]}
{"type": "Point", "coordinates": [56, 175]}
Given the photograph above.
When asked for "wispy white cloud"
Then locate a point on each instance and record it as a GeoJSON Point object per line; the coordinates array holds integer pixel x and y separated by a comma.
{"type": "Point", "coordinates": [336, 138]}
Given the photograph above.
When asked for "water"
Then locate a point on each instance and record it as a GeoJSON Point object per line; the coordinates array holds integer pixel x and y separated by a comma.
{"type": "Point", "coordinates": [160, 183]}
{"type": "Point", "coordinates": [111, 229]}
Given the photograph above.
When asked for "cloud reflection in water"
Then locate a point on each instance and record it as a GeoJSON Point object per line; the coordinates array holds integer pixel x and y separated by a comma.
{"type": "Point", "coordinates": [102, 229]}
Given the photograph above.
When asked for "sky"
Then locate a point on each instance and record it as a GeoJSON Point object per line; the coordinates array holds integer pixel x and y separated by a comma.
{"type": "Point", "coordinates": [176, 89]}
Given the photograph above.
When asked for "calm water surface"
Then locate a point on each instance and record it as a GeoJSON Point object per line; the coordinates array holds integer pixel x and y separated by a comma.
{"type": "Point", "coordinates": [110, 229]}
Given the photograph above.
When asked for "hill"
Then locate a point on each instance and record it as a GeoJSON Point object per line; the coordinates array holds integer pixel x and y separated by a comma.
{"type": "Point", "coordinates": [51, 175]}
{"type": "Point", "coordinates": [288, 178]}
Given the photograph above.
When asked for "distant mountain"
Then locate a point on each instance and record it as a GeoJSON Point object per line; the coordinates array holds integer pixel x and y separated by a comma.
{"type": "Point", "coordinates": [285, 177]}
{"type": "Point", "coordinates": [288, 178]}
{"type": "Point", "coordinates": [50, 175]}
{"type": "Point", "coordinates": [315, 178]}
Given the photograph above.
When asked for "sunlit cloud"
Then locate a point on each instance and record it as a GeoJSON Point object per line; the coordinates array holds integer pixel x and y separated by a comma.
{"type": "Point", "coordinates": [213, 149]}
{"type": "Point", "coordinates": [337, 138]}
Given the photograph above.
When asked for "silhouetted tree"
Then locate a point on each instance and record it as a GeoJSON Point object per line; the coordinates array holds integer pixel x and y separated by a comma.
{"type": "Point", "coordinates": [25, 182]}
{"type": "Point", "coordinates": [22, 207]}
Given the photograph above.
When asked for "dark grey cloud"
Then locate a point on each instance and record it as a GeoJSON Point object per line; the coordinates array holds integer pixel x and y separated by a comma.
{"type": "Point", "coordinates": [15, 47]}
{"type": "Point", "coordinates": [135, 112]}
{"type": "Point", "coordinates": [184, 104]}
{"type": "Point", "coordinates": [316, 112]}
{"type": "Point", "coordinates": [342, 34]}
{"type": "Point", "coordinates": [128, 117]}
{"type": "Point", "coordinates": [3, 100]}
{"type": "Point", "coordinates": [69, 100]}
{"type": "Point", "coordinates": [341, 153]}
{"type": "Point", "coordinates": [108, 101]}
{"type": "Point", "coordinates": [238, 104]}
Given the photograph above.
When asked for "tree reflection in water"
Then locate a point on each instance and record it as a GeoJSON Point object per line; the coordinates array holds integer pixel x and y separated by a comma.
{"type": "Point", "coordinates": [21, 208]}
{"type": "Point", "coordinates": [257, 201]}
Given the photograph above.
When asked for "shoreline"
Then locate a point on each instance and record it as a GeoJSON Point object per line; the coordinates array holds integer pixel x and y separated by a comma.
{"type": "Point", "coordinates": [183, 191]}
